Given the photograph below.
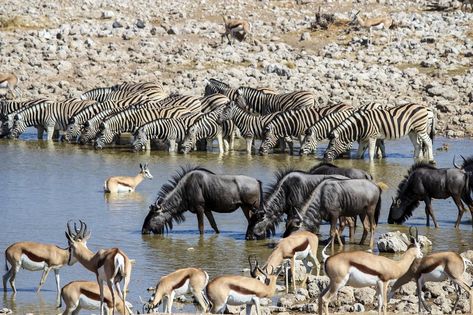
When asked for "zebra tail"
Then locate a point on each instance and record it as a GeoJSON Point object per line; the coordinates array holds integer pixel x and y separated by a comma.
{"type": "Point", "coordinates": [432, 130]}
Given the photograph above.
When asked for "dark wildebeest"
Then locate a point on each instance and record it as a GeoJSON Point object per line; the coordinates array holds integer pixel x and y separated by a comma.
{"type": "Point", "coordinates": [467, 166]}
{"type": "Point", "coordinates": [326, 168]}
{"type": "Point", "coordinates": [290, 190]}
{"type": "Point", "coordinates": [201, 191]}
{"type": "Point", "coordinates": [335, 198]}
{"type": "Point", "coordinates": [424, 182]}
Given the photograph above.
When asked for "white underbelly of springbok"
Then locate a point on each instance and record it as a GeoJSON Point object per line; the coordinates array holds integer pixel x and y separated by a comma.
{"type": "Point", "coordinates": [184, 289]}
{"type": "Point", "coordinates": [302, 254]}
{"type": "Point", "coordinates": [88, 303]}
{"type": "Point", "coordinates": [28, 264]}
{"type": "Point", "coordinates": [359, 279]}
{"type": "Point", "coordinates": [435, 275]}
{"type": "Point", "coordinates": [123, 188]}
{"type": "Point", "coordinates": [236, 298]}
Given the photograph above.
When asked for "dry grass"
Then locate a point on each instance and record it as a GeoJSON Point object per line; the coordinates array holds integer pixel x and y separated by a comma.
{"type": "Point", "coordinates": [20, 22]}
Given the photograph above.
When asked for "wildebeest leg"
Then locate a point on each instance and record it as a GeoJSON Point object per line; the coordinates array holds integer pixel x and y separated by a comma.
{"type": "Point", "coordinates": [429, 211]}
{"type": "Point", "coordinates": [200, 219]}
{"type": "Point", "coordinates": [211, 219]}
{"type": "Point", "coordinates": [461, 209]}
{"type": "Point", "coordinates": [250, 217]}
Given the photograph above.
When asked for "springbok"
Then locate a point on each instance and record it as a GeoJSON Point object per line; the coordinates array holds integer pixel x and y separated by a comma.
{"type": "Point", "coordinates": [236, 28]}
{"type": "Point", "coordinates": [79, 295]}
{"type": "Point", "coordinates": [238, 290]}
{"type": "Point", "coordinates": [300, 245]}
{"type": "Point", "coordinates": [437, 267]}
{"type": "Point", "coordinates": [9, 81]}
{"type": "Point", "coordinates": [380, 22]}
{"type": "Point", "coordinates": [361, 269]}
{"type": "Point", "coordinates": [109, 265]}
{"type": "Point", "coordinates": [119, 184]}
{"type": "Point", "coordinates": [177, 283]}
{"type": "Point", "coordinates": [34, 257]}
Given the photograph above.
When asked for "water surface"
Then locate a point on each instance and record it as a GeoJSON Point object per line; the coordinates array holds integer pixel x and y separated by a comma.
{"type": "Point", "coordinates": [43, 185]}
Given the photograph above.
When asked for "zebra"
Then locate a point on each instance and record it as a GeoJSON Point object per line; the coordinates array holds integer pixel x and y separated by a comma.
{"type": "Point", "coordinates": [172, 130]}
{"type": "Point", "coordinates": [46, 116]}
{"type": "Point", "coordinates": [213, 101]}
{"type": "Point", "coordinates": [264, 102]}
{"type": "Point", "coordinates": [132, 118]}
{"type": "Point", "coordinates": [213, 86]}
{"type": "Point", "coordinates": [7, 110]}
{"type": "Point", "coordinates": [136, 87]}
{"type": "Point", "coordinates": [250, 126]}
{"type": "Point", "coordinates": [416, 121]}
{"type": "Point", "coordinates": [207, 127]}
{"type": "Point", "coordinates": [75, 123]}
{"type": "Point", "coordinates": [90, 128]}
{"type": "Point", "coordinates": [321, 129]}
{"type": "Point", "coordinates": [113, 93]}
{"type": "Point", "coordinates": [294, 123]}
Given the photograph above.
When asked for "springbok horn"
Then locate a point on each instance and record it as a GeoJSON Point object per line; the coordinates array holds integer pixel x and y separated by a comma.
{"type": "Point", "coordinates": [454, 164]}
{"type": "Point", "coordinates": [298, 213]}
{"type": "Point", "coordinates": [145, 305]}
{"type": "Point", "coordinates": [69, 228]}
{"type": "Point", "coordinates": [252, 269]}
{"type": "Point", "coordinates": [75, 229]}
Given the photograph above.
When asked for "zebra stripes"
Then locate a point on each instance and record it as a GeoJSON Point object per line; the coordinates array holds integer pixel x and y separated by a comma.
{"type": "Point", "coordinates": [46, 116]}
{"type": "Point", "coordinates": [250, 126]}
{"type": "Point", "coordinates": [265, 102]}
{"type": "Point", "coordinates": [131, 119]}
{"type": "Point", "coordinates": [172, 130]}
{"type": "Point", "coordinates": [207, 127]}
{"type": "Point", "coordinates": [91, 127]}
{"type": "Point", "coordinates": [154, 91]}
{"type": "Point", "coordinates": [214, 101]}
{"type": "Point", "coordinates": [214, 86]}
{"type": "Point", "coordinates": [75, 123]}
{"type": "Point", "coordinates": [294, 123]}
{"type": "Point", "coordinates": [7, 110]}
{"type": "Point", "coordinates": [367, 126]}
{"type": "Point", "coordinates": [321, 130]}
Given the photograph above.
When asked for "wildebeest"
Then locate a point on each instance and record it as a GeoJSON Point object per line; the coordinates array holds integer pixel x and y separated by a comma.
{"type": "Point", "coordinates": [335, 198]}
{"type": "Point", "coordinates": [424, 182]}
{"type": "Point", "coordinates": [467, 166]}
{"type": "Point", "coordinates": [331, 169]}
{"type": "Point", "coordinates": [290, 190]}
{"type": "Point", "coordinates": [201, 191]}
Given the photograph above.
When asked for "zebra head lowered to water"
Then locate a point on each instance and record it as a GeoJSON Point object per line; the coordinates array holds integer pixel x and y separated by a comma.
{"type": "Point", "coordinates": [201, 191]}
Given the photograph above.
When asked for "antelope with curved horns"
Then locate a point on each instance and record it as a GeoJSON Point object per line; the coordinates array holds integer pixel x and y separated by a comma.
{"type": "Point", "coordinates": [34, 257]}
{"type": "Point", "coordinates": [177, 283]}
{"type": "Point", "coordinates": [238, 290]}
{"type": "Point", "coordinates": [437, 267]}
{"type": "Point", "coordinates": [380, 22]}
{"type": "Point", "coordinates": [109, 265]}
{"type": "Point", "coordinates": [236, 28]}
{"type": "Point", "coordinates": [10, 81]}
{"type": "Point", "coordinates": [361, 269]}
{"type": "Point", "coordinates": [300, 245]}
{"type": "Point", "coordinates": [118, 184]}
{"type": "Point", "coordinates": [79, 295]}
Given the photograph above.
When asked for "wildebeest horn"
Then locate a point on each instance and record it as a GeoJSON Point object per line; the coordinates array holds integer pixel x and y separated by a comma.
{"type": "Point", "coordinates": [454, 164]}
{"type": "Point", "coordinates": [464, 160]}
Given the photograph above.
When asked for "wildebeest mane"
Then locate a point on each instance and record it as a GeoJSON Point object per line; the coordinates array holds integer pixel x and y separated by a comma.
{"type": "Point", "coordinates": [468, 163]}
{"type": "Point", "coordinates": [180, 173]}
{"type": "Point", "coordinates": [312, 169]}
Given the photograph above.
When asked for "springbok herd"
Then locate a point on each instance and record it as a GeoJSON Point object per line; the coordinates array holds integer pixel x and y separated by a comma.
{"type": "Point", "coordinates": [183, 123]}
{"type": "Point", "coordinates": [325, 192]}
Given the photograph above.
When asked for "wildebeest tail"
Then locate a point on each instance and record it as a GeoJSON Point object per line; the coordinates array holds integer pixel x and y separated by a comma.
{"type": "Point", "coordinates": [378, 208]}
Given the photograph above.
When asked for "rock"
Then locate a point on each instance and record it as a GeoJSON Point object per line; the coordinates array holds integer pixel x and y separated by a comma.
{"type": "Point", "coordinates": [315, 285]}
{"type": "Point", "coordinates": [278, 69]}
{"type": "Point", "coordinates": [305, 36]}
{"type": "Point", "coordinates": [173, 31]}
{"type": "Point", "coordinates": [107, 15]}
{"type": "Point", "coordinates": [140, 24]}
{"type": "Point", "coordinates": [393, 242]}
{"type": "Point", "coordinates": [447, 93]}
{"type": "Point", "coordinates": [287, 300]}
{"type": "Point", "coordinates": [359, 308]}
{"type": "Point", "coordinates": [117, 24]}
{"type": "Point", "coordinates": [365, 296]}
{"type": "Point", "coordinates": [6, 311]}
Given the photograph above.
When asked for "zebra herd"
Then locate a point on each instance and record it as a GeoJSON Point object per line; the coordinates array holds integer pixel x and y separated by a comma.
{"type": "Point", "coordinates": [145, 110]}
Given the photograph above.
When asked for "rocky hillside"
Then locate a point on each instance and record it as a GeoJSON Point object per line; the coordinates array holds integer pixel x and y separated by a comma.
{"type": "Point", "coordinates": [62, 48]}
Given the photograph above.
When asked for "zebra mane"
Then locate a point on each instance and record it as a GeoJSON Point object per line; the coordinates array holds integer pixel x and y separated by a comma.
{"type": "Point", "coordinates": [218, 83]}
{"type": "Point", "coordinates": [312, 169]}
{"type": "Point", "coordinates": [180, 173]}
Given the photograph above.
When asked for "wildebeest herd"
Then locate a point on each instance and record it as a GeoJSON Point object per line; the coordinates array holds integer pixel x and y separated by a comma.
{"type": "Point", "coordinates": [184, 122]}
{"type": "Point", "coordinates": [324, 193]}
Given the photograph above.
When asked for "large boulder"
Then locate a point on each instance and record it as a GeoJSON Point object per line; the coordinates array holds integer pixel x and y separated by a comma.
{"type": "Point", "coordinates": [395, 242]}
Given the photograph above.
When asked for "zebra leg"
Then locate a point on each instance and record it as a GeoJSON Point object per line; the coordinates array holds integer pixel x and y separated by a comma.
{"type": "Point", "coordinates": [226, 145]}
{"type": "Point", "coordinates": [362, 145]}
{"type": "Point", "coordinates": [220, 143]}
{"type": "Point", "coordinates": [209, 145]}
{"type": "Point", "coordinates": [172, 145]}
{"type": "Point", "coordinates": [427, 147]}
{"type": "Point", "coordinates": [50, 132]}
{"type": "Point", "coordinates": [40, 132]}
{"type": "Point", "coordinates": [249, 142]}
{"type": "Point", "coordinates": [417, 148]}
{"type": "Point", "coordinates": [372, 148]}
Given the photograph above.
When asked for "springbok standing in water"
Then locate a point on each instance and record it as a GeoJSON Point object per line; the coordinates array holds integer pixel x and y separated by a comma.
{"type": "Point", "coordinates": [119, 184]}
{"type": "Point", "coordinates": [34, 257]}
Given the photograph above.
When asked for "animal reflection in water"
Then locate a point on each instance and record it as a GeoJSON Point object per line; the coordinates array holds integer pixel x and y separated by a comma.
{"type": "Point", "coordinates": [121, 184]}
{"type": "Point", "coordinates": [201, 191]}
